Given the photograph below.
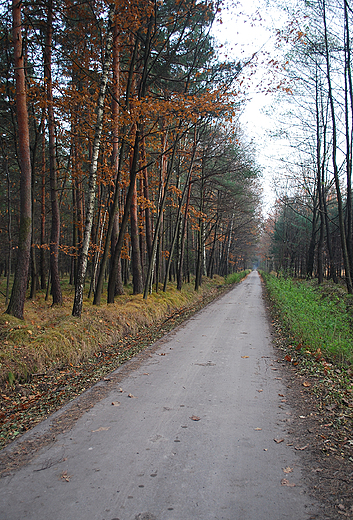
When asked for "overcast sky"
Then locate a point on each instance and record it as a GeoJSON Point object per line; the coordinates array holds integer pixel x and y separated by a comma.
{"type": "Point", "coordinates": [247, 28]}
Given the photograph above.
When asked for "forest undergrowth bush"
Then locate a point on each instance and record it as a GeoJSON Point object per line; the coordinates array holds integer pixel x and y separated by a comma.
{"type": "Point", "coordinates": [237, 277]}
{"type": "Point", "coordinates": [317, 317]}
{"type": "Point", "coordinates": [51, 337]}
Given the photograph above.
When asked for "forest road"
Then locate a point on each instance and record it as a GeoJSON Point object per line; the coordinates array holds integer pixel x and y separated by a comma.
{"type": "Point", "coordinates": [201, 432]}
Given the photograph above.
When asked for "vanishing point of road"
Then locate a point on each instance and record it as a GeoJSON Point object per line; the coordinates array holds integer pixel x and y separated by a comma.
{"type": "Point", "coordinates": [196, 431]}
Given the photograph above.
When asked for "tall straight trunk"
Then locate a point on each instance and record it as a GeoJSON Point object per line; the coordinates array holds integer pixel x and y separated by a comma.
{"type": "Point", "coordinates": [83, 258]}
{"type": "Point", "coordinates": [42, 214]}
{"type": "Point", "coordinates": [229, 243]}
{"type": "Point", "coordinates": [18, 293]}
{"type": "Point", "coordinates": [133, 168]}
{"type": "Point", "coordinates": [152, 262]}
{"type": "Point", "coordinates": [179, 215]}
{"type": "Point", "coordinates": [98, 235]}
{"type": "Point", "coordinates": [320, 271]}
{"type": "Point", "coordinates": [148, 219]}
{"type": "Point", "coordinates": [9, 229]}
{"type": "Point", "coordinates": [346, 264]}
{"type": "Point", "coordinates": [348, 121]}
{"type": "Point", "coordinates": [55, 213]}
{"type": "Point", "coordinates": [312, 243]}
{"type": "Point", "coordinates": [117, 161]}
{"type": "Point", "coordinates": [124, 222]}
{"type": "Point", "coordinates": [182, 241]}
{"type": "Point", "coordinates": [137, 281]}
{"type": "Point", "coordinates": [200, 237]}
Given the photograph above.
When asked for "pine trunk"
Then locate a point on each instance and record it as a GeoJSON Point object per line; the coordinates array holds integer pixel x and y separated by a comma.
{"type": "Point", "coordinates": [18, 293]}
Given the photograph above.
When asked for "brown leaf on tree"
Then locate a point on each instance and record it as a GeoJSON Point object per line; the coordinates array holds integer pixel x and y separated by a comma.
{"type": "Point", "coordinates": [194, 418]}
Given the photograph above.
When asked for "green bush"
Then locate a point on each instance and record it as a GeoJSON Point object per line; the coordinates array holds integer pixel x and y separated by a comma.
{"type": "Point", "coordinates": [236, 277]}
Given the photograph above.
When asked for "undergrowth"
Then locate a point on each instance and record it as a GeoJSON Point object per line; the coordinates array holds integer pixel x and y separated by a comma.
{"type": "Point", "coordinates": [318, 318]}
{"type": "Point", "coordinates": [236, 277]}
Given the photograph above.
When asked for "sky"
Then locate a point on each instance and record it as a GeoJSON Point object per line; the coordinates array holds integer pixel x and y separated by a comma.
{"type": "Point", "coordinates": [242, 37]}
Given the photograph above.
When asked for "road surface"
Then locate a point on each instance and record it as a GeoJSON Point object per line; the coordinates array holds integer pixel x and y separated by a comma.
{"type": "Point", "coordinates": [203, 435]}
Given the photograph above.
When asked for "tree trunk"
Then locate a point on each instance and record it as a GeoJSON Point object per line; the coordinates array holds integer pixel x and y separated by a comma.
{"type": "Point", "coordinates": [137, 281]}
{"type": "Point", "coordinates": [119, 244]}
{"type": "Point", "coordinates": [42, 215]}
{"type": "Point", "coordinates": [117, 161]}
{"type": "Point", "coordinates": [83, 258]}
{"type": "Point", "coordinates": [55, 218]}
{"type": "Point", "coordinates": [178, 219]}
{"type": "Point", "coordinates": [18, 293]}
{"type": "Point", "coordinates": [148, 220]}
{"type": "Point", "coordinates": [347, 266]}
{"type": "Point", "coordinates": [9, 229]}
{"type": "Point", "coordinates": [182, 241]}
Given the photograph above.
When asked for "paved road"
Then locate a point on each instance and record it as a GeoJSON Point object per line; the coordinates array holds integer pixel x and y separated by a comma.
{"type": "Point", "coordinates": [148, 459]}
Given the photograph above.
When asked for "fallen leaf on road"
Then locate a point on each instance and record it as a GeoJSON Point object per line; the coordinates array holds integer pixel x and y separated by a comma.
{"type": "Point", "coordinates": [287, 470]}
{"type": "Point", "coordinates": [101, 429]}
{"type": "Point", "coordinates": [306, 384]}
{"type": "Point", "coordinates": [162, 354]}
{"type": "Point", "coordinates": [132, 396]}
{"type": "Point", "coordinates": [301, 448]}
{"type": "Point", "coordinates": [244, 357]}
{"type": "Point", "coordinates": [257, 429]}
{"type": "Point", "coordinates": [120, 390]}
{"type": "Point", "coordinates": [194, 418]}
{"type": "Point", "coordinates": [115, 403]}
{"type": "Point", "coordinates": [278, 440]}
{"type": "Point", "coordinates": [281, 395]}
{"type": "Point", "coordinates": [260, 390]}
{"type": "Point", "coordinates": [287, 358]}
{"type": "Point", "coordinates": [65, 476]}
{"type": "Point", "coordinates": [285, 482]}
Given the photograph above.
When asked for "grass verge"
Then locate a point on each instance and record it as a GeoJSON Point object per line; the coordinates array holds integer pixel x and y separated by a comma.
{"type": "Point", "coordinates": [236, 277]}
{"type": "Point", "coordinates": [313, 331]}
{"type": "Point", "coordinates": [50, 337]}
{"type": "Point", "coordinates": [319, 318]}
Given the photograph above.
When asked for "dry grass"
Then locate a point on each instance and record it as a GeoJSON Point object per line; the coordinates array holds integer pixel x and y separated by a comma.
{"type": "Point", "coordinates": [51, 337]}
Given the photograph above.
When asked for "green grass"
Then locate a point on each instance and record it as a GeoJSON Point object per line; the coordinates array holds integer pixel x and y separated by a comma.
{"type": "Point", "coordinates": [318, 318]}
{"type": "Point", "coordinates": [236, 277]}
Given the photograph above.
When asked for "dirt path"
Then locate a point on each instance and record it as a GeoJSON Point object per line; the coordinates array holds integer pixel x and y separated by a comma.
{"type": "Point", "coordinates": [198, 426]}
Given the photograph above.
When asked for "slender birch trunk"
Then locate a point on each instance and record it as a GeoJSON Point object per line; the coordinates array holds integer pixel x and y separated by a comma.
{"type": "Point", "coordinates": [83, 258]}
